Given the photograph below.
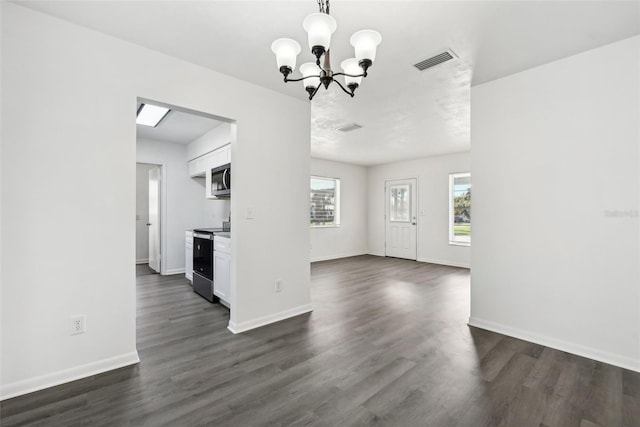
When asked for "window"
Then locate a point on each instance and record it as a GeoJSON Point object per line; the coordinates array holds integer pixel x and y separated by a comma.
{"type": "Point", "coordinates": [460, 209]}
{"type": "Point", "coordinates": [325, 202]}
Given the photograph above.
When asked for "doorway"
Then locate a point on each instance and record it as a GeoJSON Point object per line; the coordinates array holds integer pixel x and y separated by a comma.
{"type": "Point", "coordinates": [400, 218]}
{"type": "Point", "coordinates": [148, 215]}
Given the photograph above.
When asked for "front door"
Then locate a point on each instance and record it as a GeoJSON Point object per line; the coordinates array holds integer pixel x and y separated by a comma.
{"type": "Point", "coordinates": [400, 218]}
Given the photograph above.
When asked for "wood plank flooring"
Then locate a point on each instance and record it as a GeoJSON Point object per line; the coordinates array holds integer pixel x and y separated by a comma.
{"type": "Point", "coordinates": [386, 345]}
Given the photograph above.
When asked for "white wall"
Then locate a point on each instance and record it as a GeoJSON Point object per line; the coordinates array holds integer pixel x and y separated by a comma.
{"type": "Point", "coordinates": [555, 204]}
{"type": "Point", "coordinates": [80, 87]}
{"type": "Point", "coordinates": [213, 211]}
{"type": "Point", "coordinates": [350, 238]}
{"type": "Point", "coordinates": [433, 206]}
{"type": "Point", "coordinates": [142, 212]}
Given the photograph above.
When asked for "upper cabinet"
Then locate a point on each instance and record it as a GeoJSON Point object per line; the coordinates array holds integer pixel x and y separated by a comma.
{"type": "Point", "coordinates": [199, 166]}
{"type": "Point", "coordinates": [225, 154]}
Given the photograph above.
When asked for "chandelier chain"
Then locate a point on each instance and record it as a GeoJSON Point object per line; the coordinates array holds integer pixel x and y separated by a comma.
{"type": "Point", "coordinates": [323, 6]}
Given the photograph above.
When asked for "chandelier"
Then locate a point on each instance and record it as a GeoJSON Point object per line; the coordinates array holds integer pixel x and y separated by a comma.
{"type": "Point", "coordinates": [319, 27]}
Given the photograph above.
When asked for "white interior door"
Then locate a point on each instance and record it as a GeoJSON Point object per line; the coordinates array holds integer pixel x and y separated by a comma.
{"type": "Point", "coordinates": [400, 218]}
{"type": "Point", "coordinates": [154, 219]}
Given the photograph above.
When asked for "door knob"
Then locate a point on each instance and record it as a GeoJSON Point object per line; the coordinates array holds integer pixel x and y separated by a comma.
{"type": "Point", "coordinates": [148, 224]}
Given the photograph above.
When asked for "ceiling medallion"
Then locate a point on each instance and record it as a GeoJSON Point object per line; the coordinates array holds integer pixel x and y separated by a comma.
{"type": "Point", "coordinates": [319, 27]}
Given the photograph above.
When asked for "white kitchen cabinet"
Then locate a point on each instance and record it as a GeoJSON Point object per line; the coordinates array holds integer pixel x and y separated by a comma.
{"type": "Point", "coordinates": [222, 269]}
{"type": "Point", "coordinates": [194, 168]}
{"type": "Point", "coordinates": [224, 156]}
{"type": "Point", "coordinates": [199, 166]}
{"type": "Point", "coordinates": [188, 256]}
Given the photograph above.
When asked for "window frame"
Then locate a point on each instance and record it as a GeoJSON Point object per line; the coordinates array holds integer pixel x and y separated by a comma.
{"type": "Point", "coordinates": [452, 237]}
{"type": "Point", "coordinates": [338, 207]}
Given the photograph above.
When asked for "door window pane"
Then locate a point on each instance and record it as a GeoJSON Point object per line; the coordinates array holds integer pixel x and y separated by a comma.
{"type": "Point", "coordinates": [400, 203]}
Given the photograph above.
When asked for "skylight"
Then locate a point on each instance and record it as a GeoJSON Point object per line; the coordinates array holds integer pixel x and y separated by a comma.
{"type": "Point", "coordinates": [151, 115]}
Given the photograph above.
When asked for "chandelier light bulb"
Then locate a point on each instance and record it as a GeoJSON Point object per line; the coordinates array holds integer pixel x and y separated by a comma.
{"type": "Point", "coordinates": [310, 70]}
{"type": "Point", "coordinates": [365, 43]}
{"type": "Point", "coordinates": [286, 51]}
{"type": "Point", "coordinates": [350, 66]}
{"type": "Point", "coordinates": [319, 27]}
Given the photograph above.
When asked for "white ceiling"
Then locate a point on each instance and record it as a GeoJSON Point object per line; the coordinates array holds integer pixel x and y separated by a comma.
{"type": "Point", "coordinates": [404, 113]}
{"type": "Point", "coordinates": [178, 127]}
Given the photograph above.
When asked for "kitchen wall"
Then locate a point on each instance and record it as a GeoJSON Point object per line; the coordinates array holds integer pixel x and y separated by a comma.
{"type": "Point", "coordinates": [142, 212]}
{"type": "Point", "coordinates": [182, 208]}
{"type": "Point", "coordinates": [214, 212]}
{"type": "Point", "coordinates": [81, 88]}
{"type": "Point", "coordinates": [555, 173]}
{"type": "Point", "coordinates": [350, 238]}
{"type": "Point", "coordinates": [433, 206]}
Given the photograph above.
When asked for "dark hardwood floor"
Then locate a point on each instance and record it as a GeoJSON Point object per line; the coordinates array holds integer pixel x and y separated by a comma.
{"type": "Point", "coordinates": [387, 344]}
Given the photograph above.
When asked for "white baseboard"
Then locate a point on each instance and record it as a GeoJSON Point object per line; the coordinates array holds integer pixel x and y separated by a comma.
{"type": "Point", "coordinates": [237, 328]}
{"type": "Point", "coordinates": [338, 256]}
{"type": "Point", "coordinates": [429, 260]}
{"type": "Point", "coordinates": [173, 271]}
{"type": "Point", "coordinates": [67, 375]}
{"type": "Point", "coordinates": [558, 344]}
{"type": "Point", "coordinates": [445, 262]}
{"type": "Point", "coordinates": [142, 261]}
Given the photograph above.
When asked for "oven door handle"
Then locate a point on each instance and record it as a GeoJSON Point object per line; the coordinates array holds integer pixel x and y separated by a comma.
{"type": "Point", "coordinates": [202, 236]}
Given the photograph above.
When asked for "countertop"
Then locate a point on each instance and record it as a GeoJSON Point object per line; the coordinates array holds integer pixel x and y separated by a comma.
{"type": "Point", "coordinates": [226, 234]}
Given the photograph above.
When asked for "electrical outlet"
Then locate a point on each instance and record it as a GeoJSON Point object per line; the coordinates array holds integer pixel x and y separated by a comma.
{"type": "Point", "coordinates": [278, 285]}
{"type": "Point", "coordinates": [77, 325]}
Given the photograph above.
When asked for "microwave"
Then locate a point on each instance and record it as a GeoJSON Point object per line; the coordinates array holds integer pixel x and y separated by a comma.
{"type": "Point", "coordinates": [221, 181]}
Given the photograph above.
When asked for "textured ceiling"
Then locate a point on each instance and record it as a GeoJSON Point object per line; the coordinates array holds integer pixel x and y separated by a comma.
{"type": "Point", "coordinates": [404, 113]}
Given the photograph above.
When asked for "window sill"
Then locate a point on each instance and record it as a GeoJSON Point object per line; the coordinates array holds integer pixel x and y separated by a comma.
{"type": "Point", "coordinates": [459, 244]}
{"type": "Point", "coordinates": [325, 226]}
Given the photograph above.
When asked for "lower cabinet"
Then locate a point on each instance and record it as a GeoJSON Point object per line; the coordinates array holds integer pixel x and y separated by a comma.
{"type": "Point", "coordinates": [188, 256]}
{"type": "Point", "coordinates": [222, 270]}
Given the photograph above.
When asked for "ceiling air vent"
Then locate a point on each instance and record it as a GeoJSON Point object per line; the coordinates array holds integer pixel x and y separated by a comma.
{"type": "Point", "coordinates": [445, 56]}
{"type": "Point", "coordinates": [349, 127]}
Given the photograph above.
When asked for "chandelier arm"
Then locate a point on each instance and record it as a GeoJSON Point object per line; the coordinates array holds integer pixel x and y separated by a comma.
{"type": "Point", "coordinates": [312, 94]}
{"type": "Point", "coordinates": [286, 79]}
{"type": "Point", "coordinates": [342, 87]}
{"type": "Point", "coordinates": [349, 75]}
